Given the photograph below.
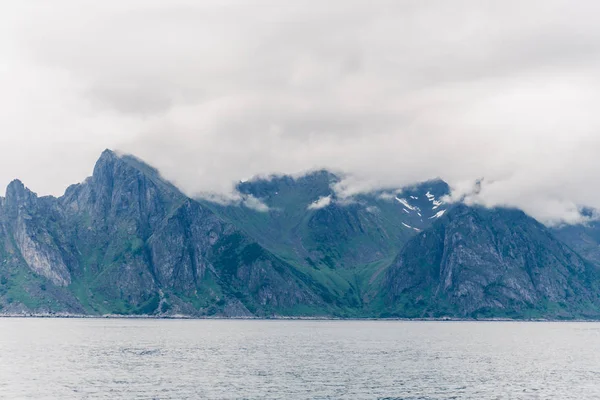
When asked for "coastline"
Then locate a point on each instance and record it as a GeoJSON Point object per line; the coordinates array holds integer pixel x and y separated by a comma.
{"type": "Point", "coordinates": [279, 318]}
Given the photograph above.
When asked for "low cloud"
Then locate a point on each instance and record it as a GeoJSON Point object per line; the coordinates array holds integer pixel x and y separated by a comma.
{"type": "Point", "coordinates": [255, 204]}
{"type": "Point", "coordinates": [321, 202]}
{"type": "Point", "coordinates": [391, 93]}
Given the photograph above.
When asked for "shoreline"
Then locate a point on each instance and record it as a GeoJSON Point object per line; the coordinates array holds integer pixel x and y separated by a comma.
{"type": "Point", "coordinates": [280, 318]}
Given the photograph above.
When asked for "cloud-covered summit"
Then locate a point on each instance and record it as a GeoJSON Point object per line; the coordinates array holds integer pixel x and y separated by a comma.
{"type": "Point", "coordinates": [389, 92]}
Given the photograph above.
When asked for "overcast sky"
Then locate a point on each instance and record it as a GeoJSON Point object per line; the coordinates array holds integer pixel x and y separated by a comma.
{"type": "Point", "coordinates": [212, 92]}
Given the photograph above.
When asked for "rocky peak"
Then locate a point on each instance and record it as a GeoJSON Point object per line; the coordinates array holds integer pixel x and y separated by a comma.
{"type": "Point", "coordinates": [108, 156]}
{"type": "Point", "coordinates": [475, 261]}
{"type": "Point", "coordinates": [17, 195]}
{"type": "Point", "coordinates": [112, 174]}
{"type": "Point", "coordinates": [104, 169]}
{"type": "Point", "coordinates": [16, 191]}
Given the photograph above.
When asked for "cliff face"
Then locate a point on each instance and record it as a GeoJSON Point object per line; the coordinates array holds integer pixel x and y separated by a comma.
{"type": "Point", "coordinates": [35, 257]}
{"type": "Point", "coordinates": [499, 262]}
{"type": "Point", "coordinates": [31, 221]}
{"type": "Point", "coordinates": [126, 241]}
{"type": "Point", "coordinates": [583, 238]}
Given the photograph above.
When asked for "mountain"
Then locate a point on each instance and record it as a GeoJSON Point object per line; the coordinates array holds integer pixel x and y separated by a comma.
{"type": "Point", "coordinates": [33, 261]}
{"type": "Point", "coordinates": [477, 262]}
{"type": "Point", "coordinates": [344, 243]}
{"type": "Point", "coordinates": [583, 238]}
{"type": "Point", "coordinates": [126, 241]}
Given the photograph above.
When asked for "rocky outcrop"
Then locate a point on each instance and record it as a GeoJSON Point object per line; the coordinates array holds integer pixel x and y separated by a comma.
{"type": "Point", "coordinates": [498, 262]}
{"type": "Point", "coordinates": [28, 218]}
{"type": "Point", "coordinates": [125, 241]}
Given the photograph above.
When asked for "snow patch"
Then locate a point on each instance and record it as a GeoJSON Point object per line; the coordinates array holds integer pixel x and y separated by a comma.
{"type": "Point", "coordinates": [405, 204]}
{"type": "Point", "coordinates": [438, 214]}
{"type": "Point", "coordinates": [431, 198]}
{"type": "Point", "coordinates": [411, 227]}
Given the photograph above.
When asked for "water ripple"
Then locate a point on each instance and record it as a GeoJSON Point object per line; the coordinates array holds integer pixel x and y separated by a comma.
{"type": "Point", "coordinates": [170, 359]}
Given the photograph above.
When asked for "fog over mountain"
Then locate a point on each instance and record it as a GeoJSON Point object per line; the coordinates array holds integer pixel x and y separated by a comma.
{"type": "Point", "coordinates": [389, 92]}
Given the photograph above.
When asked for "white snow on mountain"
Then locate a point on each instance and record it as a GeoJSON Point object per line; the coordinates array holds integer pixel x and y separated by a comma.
{"type": "Point", "coordinates": [405, 204]}
{"type": "Point", "coordinates": [438, 214]}
{"type": "Point", "coordinates": [411, 227]}
{"type": "Point", "coordinates": [436, 204]}
{"type": "Point", "coordinates": [432, 199]}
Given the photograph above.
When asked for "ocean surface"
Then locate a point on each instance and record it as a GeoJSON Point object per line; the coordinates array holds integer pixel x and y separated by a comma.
{"type": "Point", "coordinates": [235, 359]}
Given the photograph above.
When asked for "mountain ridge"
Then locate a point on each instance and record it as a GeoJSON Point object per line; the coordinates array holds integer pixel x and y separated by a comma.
{"type": "Point", "coordinates": [126, 241]}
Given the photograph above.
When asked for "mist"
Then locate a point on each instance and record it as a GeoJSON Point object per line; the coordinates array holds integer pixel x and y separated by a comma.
{"type": "Point", "coordinates": [389, 92]}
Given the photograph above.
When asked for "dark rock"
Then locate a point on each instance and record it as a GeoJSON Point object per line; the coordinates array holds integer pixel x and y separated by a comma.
{"type": "Point", "coordinates": [490, 262]}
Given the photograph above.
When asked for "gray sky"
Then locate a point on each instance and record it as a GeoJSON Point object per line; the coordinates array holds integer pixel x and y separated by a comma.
{"type": "Point", "coordinates": [391, 92]}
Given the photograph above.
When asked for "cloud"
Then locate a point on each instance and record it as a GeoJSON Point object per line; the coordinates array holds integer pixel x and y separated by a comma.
{"type": "Point", "coordinates": [321, 202]}
{"type": "Point", "coordinates": [236, 198]}
{"type": "Point", "coordinates": [387, 196]}
{"type": "Point", "coordinates": [390, 92]}
{"type": "Point", "coordinates": [255, 204]}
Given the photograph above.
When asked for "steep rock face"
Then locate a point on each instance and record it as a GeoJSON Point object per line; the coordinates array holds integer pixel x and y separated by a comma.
{"type": "Point", "coordinates": [122, 190]}
{"type": "Point", "coordinates": [583, 238]}
{"type": "Point", "coordinates": [31, 221]}
{"type": "Point", "coordinates": [479, 262]}
{"type": "Point", "coordinates": [179, 246]}
{"type": "Point", "coordinates": [110, 216]}
{"type": "Point", "coordinates": [126, 241]}
{"type": "Point", "coordinates": [194, 246]}
{"type": "Point", "coordinates": [34, 260]}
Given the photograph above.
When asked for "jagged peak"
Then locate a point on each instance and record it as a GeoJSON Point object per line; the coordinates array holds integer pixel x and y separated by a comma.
{"type": "Point", "coordinates": [16, 184]}
{"type": "Point", "coordinates": [111, 158]}
{"type": "Point", "coordinates": [104, 167]}
{"type": "Point", "coordinates": [108, 153]}
{"type": "Point", "coordinates": [16, 188]}
{"type": "Point", "coordinates": [107, 157]}
{"type": "Point", "coordinates": [17, 192]}
{"type": "Point", "coordinates": [113, 164]}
